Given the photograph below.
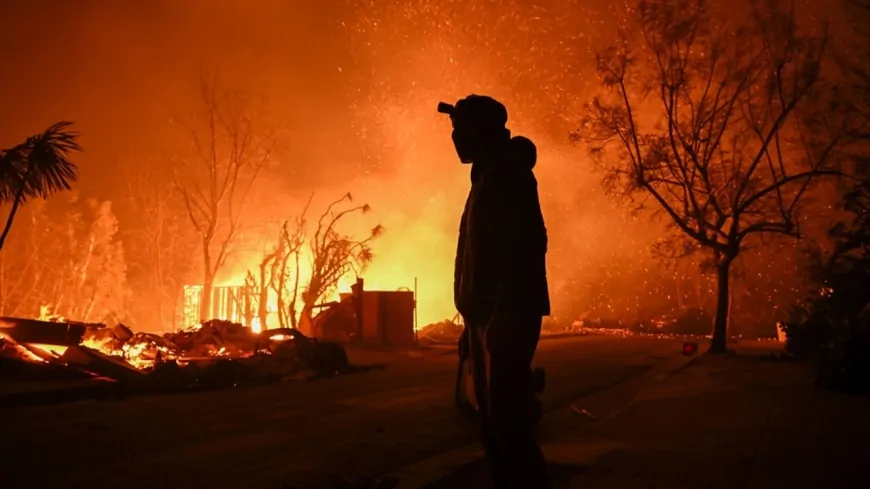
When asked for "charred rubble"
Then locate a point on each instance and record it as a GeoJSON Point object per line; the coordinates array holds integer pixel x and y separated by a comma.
{"type": "Point", "coordinates": [213, 354]}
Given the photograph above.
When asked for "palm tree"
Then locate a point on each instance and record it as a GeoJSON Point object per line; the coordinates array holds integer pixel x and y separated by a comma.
{"type": "Point", "coordinates": [37, 167]}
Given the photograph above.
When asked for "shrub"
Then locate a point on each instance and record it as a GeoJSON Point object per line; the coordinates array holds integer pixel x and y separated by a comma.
{"type": "Point", "coordinates": [833, 325]}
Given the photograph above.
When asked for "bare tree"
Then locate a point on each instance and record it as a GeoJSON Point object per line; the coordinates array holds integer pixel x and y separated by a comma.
{"type": "Point", "coordinates": [278, 273]}
{"type": "Point", "coordinates": [74, 267]}
{"type": "Point", "coordinates": [20, 261]}
{"type": "Point", "coordinates": [712, 130]}
{"type": "Point", "coordinates": [37, 167]}
{"type": "Point", "coordinates": [36, 270]}
{"type": "Point", "coordinates": [285, 273]}
{"type": "Point", "coordinates": [260, 285]}
{"type": "Point", "coordinates": [334, 255]}
{"type": "Point", "coordinates": [161, 244]}
{"type": "Point", "coordinates": [229, 154]}
{"type": "Point", "coordinates": [857, 74]}
{"type": "Point", "coordinates": [52, 249]}
{"type": "Point", "coordinates": [99, 290]}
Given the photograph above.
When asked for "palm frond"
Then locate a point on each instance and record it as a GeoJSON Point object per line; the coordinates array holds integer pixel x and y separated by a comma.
{"type": "Point", "coordinates": [11, 163]}
{"type": "Point", "coordinates": [41, 164]}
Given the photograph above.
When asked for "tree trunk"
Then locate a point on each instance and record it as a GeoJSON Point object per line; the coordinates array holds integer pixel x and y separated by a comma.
{"type": "Point", "coordinates": [291, 315]}
{"type": "Point", "coordinates": [207, 283]}
{"type": "Point", "coordinates": [306, 325]}
{"type": "Point", "coordinates": [723, 303]}
{"type": "Point", "coordinates": [263, 296]}
{"type": "Point", "coordinates": [294, 319]}
{"type": "Point", "coordinates": [3, 296]}
{"type": "Point", "coordinates": [161, 313]}
{"type": "Point", "coordinates": [9, 222]}
{"type": "Point", "coordinates": [262, 304]}
{"type": "Point", "coordinates": [19, 196]}
{"type": "Point", "coordinates": [205, 299]}
{"type": "Point", "coordinates": [282, 314]}
{"type": "Point", "coordinates": [175, 301]}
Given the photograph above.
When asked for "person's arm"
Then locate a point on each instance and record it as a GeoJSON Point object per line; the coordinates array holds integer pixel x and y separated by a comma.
{"type": "Point", "coordinates": [458, 263]}
{"type": "Point", "coordinates": [512, 217]}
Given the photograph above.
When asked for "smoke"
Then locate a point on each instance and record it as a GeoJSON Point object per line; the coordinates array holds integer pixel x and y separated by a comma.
{"type": "Point", "coordinates": [354, 85]}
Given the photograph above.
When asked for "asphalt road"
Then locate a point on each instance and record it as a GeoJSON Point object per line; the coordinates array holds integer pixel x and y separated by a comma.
{"type": "Point", "coordinates": [266, 437]}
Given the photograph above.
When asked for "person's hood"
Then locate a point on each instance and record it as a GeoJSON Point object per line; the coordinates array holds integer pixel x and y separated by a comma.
{"type": "Point", "coordinates": [519, 155]}
{"type": "Point", "coordinates": [523, 153]}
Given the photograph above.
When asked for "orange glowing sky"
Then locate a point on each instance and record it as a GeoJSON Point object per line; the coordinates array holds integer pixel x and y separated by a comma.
{"type": "Point", "coordinates": [355, 84]}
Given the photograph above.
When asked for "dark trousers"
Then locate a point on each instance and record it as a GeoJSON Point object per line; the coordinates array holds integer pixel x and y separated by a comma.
{"type": "Point", "coordinates": [502, 360]}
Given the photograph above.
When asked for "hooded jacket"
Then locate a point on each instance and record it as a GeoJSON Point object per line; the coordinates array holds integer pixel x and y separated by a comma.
{"type": "Point", "coordinates": [501, 253]}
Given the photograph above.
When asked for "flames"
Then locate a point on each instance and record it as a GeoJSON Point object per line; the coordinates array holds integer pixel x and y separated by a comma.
{"type": "Point", "coordinates": [144, 355]}
{"type": "Point", "coordinates": [94, 344]}
{"type": "Point", "coordinates": [256, 327]}
{"type": "Point", "coordinates": [143, 351]}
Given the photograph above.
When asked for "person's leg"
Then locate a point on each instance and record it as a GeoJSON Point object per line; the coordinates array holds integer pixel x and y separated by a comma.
{"type": "Point", "coordinates": [460, 398]}
{"type": "Point", "coordinates": [480, 366]}
{"type": "Point", "coordinates": [512, 406]}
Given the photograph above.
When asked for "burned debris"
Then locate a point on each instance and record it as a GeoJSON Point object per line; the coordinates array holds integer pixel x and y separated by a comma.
{"type": "Point", "coordinates": [25, 364]}
{"type": "Point", "coordinates": [213, 354]}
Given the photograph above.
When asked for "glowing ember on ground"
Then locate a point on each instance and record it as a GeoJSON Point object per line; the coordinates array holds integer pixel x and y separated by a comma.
{"type": "Point", "coordinates": [55, 350]}
{"type": "Point", "coordinates": [143, 354]}
{"type": "Point", "coordinates": [20, 350]}
{"type": "Point", "coordinates": [256, 327]}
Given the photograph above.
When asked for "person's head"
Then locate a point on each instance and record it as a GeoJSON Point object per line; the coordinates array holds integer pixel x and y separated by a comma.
{"type": "Point", "coordinates": [478, 126]}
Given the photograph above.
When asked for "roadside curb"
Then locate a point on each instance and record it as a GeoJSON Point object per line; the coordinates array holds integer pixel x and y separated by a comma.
{"type": "Point", "coordinates": [555, 336]}
{"type": "Point", "coordinates": [657, 374]}
{"type": "Point", "coordinates": [428, 472]}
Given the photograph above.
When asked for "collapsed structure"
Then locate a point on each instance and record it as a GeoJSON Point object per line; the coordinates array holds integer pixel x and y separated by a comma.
{"type": "Point", "coordinates": [214, 353]}
{"type": "Point", "coordinates": [117, 353]}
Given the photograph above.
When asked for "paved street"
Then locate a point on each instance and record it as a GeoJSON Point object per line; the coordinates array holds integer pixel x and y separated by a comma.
{"type": "Point", "coordinates": [268, 436]}
{"type": "Point", "coordinates": [728, 422]}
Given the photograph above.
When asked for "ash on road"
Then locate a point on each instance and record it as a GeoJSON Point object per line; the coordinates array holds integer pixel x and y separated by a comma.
{"type": "Point", "coordinates": [266, 437]}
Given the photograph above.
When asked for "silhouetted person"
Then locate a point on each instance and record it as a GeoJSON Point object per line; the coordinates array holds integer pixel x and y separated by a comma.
{"type": "Point", "coordinates": [500, 286]}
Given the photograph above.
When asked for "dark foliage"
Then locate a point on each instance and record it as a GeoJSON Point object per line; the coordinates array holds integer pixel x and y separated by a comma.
{"type": "Point", "coordinates": [833, 326]}
{"type": "Point", "coordinates": [39, 166]}
{"type": "Point", "coordinates": [694, 321]}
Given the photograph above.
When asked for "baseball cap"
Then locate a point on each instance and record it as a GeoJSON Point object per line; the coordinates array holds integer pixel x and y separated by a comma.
{"type": "Point", "coordinates": [485, 111]}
